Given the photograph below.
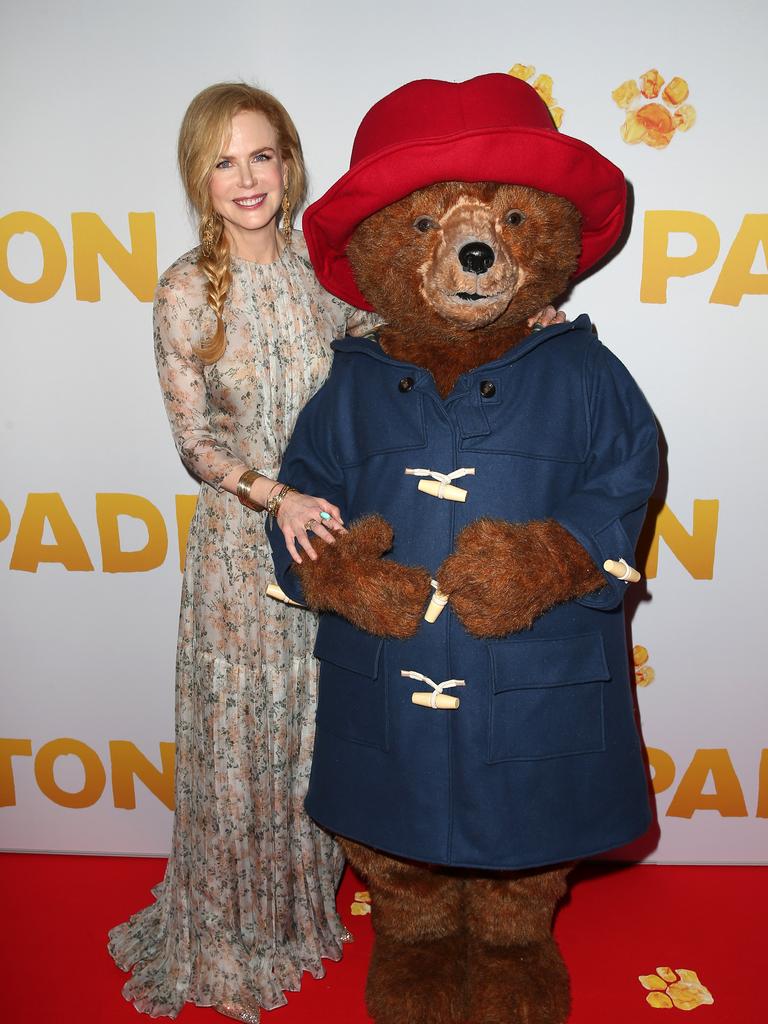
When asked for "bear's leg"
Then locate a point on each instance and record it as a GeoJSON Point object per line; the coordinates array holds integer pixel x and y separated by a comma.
{"type": "Point", "coordinates": [416, 974]}
{"type": "Point", "coordinates": [515, 974]}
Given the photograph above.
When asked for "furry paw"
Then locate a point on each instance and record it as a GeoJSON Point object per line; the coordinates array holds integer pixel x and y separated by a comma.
{"type": "Point", "coordinates": [351, 578]}
{"type": "Point", "coordinates": [517, 985]}
{"type": "Point", "coordinates": [423, 982]}
{"type": "Point", "coordinates": [502, 576]}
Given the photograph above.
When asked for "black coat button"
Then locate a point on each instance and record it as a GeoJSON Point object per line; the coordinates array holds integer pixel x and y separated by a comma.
{"type": "Point", "coordinates": [487, 388]}
{"type": "Point", "coordinates": [406, 384]}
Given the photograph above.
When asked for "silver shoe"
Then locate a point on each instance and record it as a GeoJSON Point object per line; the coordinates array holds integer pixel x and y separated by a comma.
{"type": "Point", "coordinates": [239, 1013]}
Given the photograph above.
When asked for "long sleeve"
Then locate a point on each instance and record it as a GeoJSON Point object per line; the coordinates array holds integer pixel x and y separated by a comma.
{"type": "Point", "coordinates": [605, 515]}
{"type": "Point", "coordinates": [181, 318]}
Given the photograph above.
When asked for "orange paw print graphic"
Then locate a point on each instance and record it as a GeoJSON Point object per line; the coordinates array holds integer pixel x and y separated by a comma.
{"type": "Point", "coordinates": [681, 990]}
{"type": "Point", "coordinates": [543, 86]}
{"type": "Point", "coordinates": [654, 123]}
{"type": "Point", "coordinates": [644, 674]}
{"type": "Point", "coordinates": [361, 905]}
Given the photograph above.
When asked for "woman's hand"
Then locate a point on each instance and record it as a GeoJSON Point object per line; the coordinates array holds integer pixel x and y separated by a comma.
{"type": "Point", "coordinates": [302, 514]}
{"type": "Point", "coordinates": [547, 316]}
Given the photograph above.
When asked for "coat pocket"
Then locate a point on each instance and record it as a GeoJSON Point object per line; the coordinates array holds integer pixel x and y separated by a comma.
{"type": "Point", "coordinates": [352, 700]}
{"type": "Point", "coordinates": [547, 698]}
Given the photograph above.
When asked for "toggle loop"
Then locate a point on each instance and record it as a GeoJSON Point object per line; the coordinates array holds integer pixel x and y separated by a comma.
{"type": "Point", "coordinates": [437, 688]}
{"type": "Point", "coordinates": [443, 478]}
{"type": "Point", "coordinates": [445, 488]}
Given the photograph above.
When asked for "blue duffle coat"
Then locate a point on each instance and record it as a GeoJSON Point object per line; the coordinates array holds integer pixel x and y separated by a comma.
{"type": "Point", "coordinates": [541, 762]}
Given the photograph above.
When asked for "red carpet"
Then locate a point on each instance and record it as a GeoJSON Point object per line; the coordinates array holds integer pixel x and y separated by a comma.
{"type": "Point", "coordinates": [617, 924]}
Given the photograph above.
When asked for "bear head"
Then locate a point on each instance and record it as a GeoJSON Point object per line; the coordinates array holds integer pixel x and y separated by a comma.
{"type": "Point", "coordinates": [456, 269]}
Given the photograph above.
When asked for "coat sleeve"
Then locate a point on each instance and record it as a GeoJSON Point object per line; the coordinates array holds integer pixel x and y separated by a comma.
{"type": "Point", "coordinates": [606, 514]}
{"type": "Point", "coordinates": [310, 465]}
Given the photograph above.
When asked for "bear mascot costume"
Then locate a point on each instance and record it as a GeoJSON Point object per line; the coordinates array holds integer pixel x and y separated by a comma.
{"type": "Point", "coordinates": [466, 763]}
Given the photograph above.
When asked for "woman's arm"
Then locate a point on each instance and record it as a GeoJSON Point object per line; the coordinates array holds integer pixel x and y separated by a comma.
{"type": "Point", "coordinates": [179, 323]}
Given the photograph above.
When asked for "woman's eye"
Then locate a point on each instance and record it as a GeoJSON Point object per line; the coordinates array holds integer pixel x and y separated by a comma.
{"type": "Point", "coordinates": [515, 217]}
{"type": "Point", "coordinates": [260, 157]}
{"type": "Point", "coordinates": [423, 224]}
{"type": "Point", "coordinates": [222, 165]}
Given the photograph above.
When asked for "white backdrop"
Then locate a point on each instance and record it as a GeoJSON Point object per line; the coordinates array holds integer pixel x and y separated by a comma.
{"type": "Point", "coordinates": [93, 94]}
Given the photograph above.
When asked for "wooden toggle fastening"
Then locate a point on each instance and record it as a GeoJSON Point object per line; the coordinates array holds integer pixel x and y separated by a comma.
{"type": "Point", "coordinates": [274, 590]}
{"type": "Point", "coordinates": [437, 602]}
{"type": "Point", "coordinates": [437, 699]}
{"type": "Point", "coordinates": [440, 485]}
{"type": "Point", "coordinates": [622, 570]}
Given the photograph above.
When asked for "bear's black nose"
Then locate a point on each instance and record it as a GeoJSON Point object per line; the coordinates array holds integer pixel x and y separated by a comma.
{"type": "Point", "coordinates": [476, 257]}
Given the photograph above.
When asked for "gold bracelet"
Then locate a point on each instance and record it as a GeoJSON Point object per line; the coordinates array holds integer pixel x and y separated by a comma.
{"type": "Point", "coordinates": [243, 491]}
{"type": "Point", "coordinates": [274, 502]}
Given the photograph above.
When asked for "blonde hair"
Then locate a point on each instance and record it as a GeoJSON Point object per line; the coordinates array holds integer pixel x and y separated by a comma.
{"type": "Point", "coordinates": [203, 131]}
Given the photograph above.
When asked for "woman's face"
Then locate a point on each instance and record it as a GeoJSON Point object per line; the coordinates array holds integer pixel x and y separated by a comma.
{"type": "Point", "coordinates": [248, 181]}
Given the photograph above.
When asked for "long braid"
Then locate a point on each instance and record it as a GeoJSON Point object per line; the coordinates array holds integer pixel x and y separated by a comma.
{"type": "Point", "coordinates": [214, 263]}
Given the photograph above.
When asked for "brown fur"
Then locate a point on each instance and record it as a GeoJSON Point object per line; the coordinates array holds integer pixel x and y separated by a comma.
{"type": "Point", "coordinates": [451, 943]}
{"type": "Point", "coordinates": [350, 578]}
{"type": "Point", "coordinates": [503, 576]}
{"type": "Point", "coordinates": [516, 974]}
{"type": "Point", "coordinates": [411, 277]}
{"type": "Point", "coordinates": [424, 982]}
{"type": "Point", "coordinates": [517, 985]}
{"type": "Point", "coordinates": [417, 970]}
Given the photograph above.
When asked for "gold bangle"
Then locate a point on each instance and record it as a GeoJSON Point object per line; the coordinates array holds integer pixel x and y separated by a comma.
{"type": "Point", "coordinates": [243, 491]}
{"type": "Point", "coordinates": [275, 501]}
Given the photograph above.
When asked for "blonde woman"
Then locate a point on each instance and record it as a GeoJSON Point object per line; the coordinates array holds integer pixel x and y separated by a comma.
{"type": "Point", "coordinates": [242, 341]}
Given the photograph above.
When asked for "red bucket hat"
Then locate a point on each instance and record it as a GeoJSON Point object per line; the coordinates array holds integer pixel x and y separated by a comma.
{"type": "Point", "coordinates": [491, 128]}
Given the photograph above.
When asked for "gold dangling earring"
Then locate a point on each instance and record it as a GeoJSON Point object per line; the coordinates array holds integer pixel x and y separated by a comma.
{"type": "Point", "coordinates": [207, 231]}
{"type": "Point", "coordinates": [286, 226]}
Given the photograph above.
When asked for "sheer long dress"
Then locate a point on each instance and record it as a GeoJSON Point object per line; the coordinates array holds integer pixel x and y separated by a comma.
{"type": "Point", "coordinates": [248, 899]}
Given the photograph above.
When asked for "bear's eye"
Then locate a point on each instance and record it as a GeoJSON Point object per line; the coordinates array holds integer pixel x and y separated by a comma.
{"type": "Point", "coordinates": [423, 224]}
{"type": "Point", "coordinates": [515, 217]}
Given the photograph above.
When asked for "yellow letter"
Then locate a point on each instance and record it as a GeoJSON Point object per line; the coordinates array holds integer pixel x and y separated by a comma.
{"type": "Point", "coordinates": [735, 280]}
{"type": "Point", "coordinates": [9, 749]}
{"type": "Point", "coordinates": [658, 267]}
{"type": "Point", "coordinates": [29, 550]}
{"type": "Point", "coordinates": [663, 768]}
{"type": "Point", "coordinates": [113, 558]}
{"type": "Point", "coordinates": [95, 776]}
{"type": "Point", "coordinates": [54, 258]}
{"type": "Point", "coordinates": [762, 792]}
{"type": "Point", "coordinates": [185, 509]}
{"type": "Point", "coordinates": [5, 521]}
{"type": "Point", "coordinates": [137, 268]}
{"type": "Point", "coordinates": [695, 550]}
{"type": "Point", "coordinates": [128, 760]}
{"type": "Point", "coordinates": [728, 798]}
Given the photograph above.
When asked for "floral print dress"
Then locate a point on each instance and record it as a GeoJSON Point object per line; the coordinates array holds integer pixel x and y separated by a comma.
{"type": "Point", "coordinates": [248, 899]}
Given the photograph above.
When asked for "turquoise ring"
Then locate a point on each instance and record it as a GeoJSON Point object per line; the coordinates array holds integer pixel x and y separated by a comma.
{"type": "Point", "coordinates": [325, 515]}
